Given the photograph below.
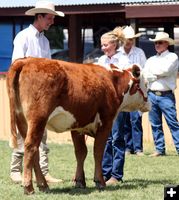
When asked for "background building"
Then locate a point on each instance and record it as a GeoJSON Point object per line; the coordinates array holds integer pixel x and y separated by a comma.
{"type": "Point", "coordinates": [82, 15]}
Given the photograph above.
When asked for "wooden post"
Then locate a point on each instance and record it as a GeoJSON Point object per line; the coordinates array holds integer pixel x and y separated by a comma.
{"type": "Point", "coordinates": [169, 28]}
{"type": "Point", "coordinates": [75, 39]}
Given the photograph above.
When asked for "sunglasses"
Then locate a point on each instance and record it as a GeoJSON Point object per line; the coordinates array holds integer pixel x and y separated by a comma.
{"type": "Point", "coordinates": [159, 42]}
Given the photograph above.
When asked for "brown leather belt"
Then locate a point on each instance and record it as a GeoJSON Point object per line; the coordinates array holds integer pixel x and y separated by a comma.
{"type": "Point", "coordinates": [161, 93]}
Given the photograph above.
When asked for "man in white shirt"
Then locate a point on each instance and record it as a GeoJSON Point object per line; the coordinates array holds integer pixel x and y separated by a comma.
{"type": "Point", "coordinates": [32, 42]}
{"type": "Point", "coordinates": [161, 73]}
{"type": "Point", "coordinates": [130, 54]}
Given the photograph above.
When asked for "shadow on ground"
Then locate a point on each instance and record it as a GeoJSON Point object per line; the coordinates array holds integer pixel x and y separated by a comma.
{"type": "Point", "coordinates": [127, 185]}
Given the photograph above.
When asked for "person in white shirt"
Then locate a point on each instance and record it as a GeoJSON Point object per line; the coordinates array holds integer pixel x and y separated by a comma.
{"type": "Point", "coordinates": [130, 54]}
{"type": "Point", "coordinates": [114, 153]}
{"type": "Point", "coordinates": [32, 42]}
{"type": "Point", "coordinates": [161, 73]}
{"type": "Point", "coordinates": [110, 43]}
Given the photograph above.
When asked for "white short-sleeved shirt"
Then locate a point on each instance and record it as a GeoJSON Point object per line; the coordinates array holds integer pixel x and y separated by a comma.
{"type": "Point", "coordinates": [105, 61]}
{"type": "Point", "coordinates": [123, 60]}
{"type": "Point", "coordinates": [161, 71]}
{"type": "Point", "coordinates": [30, 42]}
{"type": "Point", "coordinates": [135, 56]}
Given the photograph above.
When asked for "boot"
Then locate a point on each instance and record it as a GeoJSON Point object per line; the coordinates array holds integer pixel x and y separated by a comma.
{"type": "Point", "coordinates": [16, 167]}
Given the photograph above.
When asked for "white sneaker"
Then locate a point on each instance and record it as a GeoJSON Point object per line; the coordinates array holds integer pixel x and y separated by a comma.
{"type": "Point", "coordinates": [139, 153]}
{"type": "Point", "coordinates": [51, 179]}
{"type": "Point", "coordinates": [16, 177]}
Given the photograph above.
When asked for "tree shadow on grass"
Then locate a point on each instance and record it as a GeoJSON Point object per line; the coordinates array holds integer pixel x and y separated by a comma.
{"type": "Point", "coordinates": [127, 185]}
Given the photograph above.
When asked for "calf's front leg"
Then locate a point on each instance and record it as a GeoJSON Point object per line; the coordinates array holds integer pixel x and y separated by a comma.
{"type": "Point", "coordinates": [99, 145]}
{"type": "Point", "coordinates": [80, 153]}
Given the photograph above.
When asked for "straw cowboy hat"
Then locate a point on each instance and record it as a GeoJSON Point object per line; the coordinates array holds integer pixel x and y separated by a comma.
{"type": "Point", "coordinates": [162, 36]}
{"type": "Point", "coordinates": [44, 7]}
{"type": "Point", "coordinates": [129, 33]}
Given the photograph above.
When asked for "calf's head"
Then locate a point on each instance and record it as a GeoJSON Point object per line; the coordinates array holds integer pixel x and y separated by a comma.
{"type": "Point", "coordinates": [130, 83]}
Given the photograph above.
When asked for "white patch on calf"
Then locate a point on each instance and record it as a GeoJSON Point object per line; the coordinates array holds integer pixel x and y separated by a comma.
{"type": "Point", "coordinates": [142, 84]}
{"type": "Point", "coordinates": [91, 128]}
{"type": "Point", "coordinates": [60, 120]}
{"type": "Point", "coordinates": [131, 102]}
{"type": "Point", "coordinates": [130, 83]}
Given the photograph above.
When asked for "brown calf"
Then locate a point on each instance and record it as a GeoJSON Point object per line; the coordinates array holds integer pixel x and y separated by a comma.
{"type": "Point", "coordinates": [84, 98]}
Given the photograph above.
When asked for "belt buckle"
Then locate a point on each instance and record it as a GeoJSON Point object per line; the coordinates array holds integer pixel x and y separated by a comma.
{"type": "Point", "coordinates": [158, 93]}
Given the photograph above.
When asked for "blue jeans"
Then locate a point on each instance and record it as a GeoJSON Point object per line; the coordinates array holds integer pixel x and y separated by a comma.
{"type": "Point", "coordinates": [114, 153]}
{"type": "Point", "coordinates": [133, 132]}
{"type": "Point", "coordinates": [163, 105]}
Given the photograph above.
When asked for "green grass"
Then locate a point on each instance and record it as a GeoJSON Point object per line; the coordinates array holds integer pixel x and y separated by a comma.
{"type": "Point", "coordinates": [144, 177]}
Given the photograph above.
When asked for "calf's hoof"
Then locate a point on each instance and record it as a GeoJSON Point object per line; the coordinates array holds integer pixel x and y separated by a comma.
{"type": "Point", "coordinates": [28, 190]}
{"type": "Point", "coordinates": [79, 184]}
{"type": "Point", "coordinates": [99, 185]}
{"type": "Point", "coordinates": [43, 188]}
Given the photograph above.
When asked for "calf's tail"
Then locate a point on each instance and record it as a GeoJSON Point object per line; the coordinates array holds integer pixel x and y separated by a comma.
{"type": "Point", "coordinates": [12, 83]}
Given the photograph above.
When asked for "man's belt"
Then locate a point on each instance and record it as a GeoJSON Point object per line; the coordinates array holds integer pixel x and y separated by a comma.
{"type": "Point", "coordinates": [161, 93]}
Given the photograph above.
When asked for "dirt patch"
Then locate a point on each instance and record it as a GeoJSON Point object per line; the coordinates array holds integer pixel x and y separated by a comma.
{"type": "Point", "coordinates": [64, 137]}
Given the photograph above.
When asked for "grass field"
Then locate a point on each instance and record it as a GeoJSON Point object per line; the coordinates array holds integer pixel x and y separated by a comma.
{"type": "Point", "coordinates": [144, 177]}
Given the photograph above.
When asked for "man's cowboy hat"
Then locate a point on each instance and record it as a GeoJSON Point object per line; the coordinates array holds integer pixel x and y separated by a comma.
{"type": "Point", "coordinates": [129, 33]}
{"type": "Point", "coordinates": [44, 7]}
{"type": "Point", "coordinates": [162, 36]}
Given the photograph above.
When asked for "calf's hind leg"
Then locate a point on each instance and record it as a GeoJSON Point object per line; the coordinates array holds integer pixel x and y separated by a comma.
{"type": "Point", "coordinates": [40, 179]}
{"type": "Point", "coordinates": [80, 153]}
{"type": "Point", "coordinates": [31, 157]}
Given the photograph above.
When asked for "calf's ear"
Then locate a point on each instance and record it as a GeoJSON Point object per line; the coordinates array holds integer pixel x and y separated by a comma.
{"type": "Point", "coordinates": [116, 73]}
{"type": "Point", "coordinates": [136, 71]}
{"type": "Point", "coordinates": [113, 67]}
